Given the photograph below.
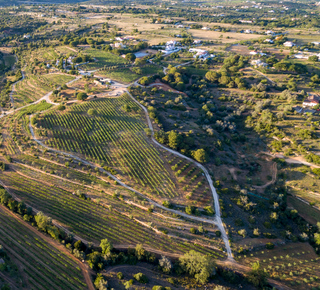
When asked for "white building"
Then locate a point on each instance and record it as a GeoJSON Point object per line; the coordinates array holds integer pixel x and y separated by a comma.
{"type": "Point", "coordinates": [288, 44]}
{"type": "Point", "coordinates": [27, 36]}
{"type": "Point", "coordinates": [198, 41]}
{"type": "Point", "coordinates": [205, 28]}
{"type": "Point", "coordinates": [201, 53]}
{"type": "Point", "coordinates": [301, 56]}
{"type": "Point", "coordinates": [171, 47]}
{"type": "Point", "coordinates": [269, 40]}
{"type": "Point", "coordinates": [270, 32]}
{"type": "Point", "coordinates": [248, 31]}
{"type": "Point", "coordinates": [258, 63]}
{"type": "Point", "coordinates": [312, 100]}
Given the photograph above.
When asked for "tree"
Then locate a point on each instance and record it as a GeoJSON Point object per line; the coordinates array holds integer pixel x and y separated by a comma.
{"type": "Point", "coordinates": [313, 58]}
{"type": "Point", "coordinates": [100, 283]}
{"type": "Point", "coordinates": [130, 56]}
{"type": "Point", "coordinates": [212, 76]}
{"type": "Point", "coordinates": [140, 277]}
{"type": "Point", "coordinates": [42, 221]}
{"type": "Point", "coordinates": [106, 246]}
{"type": "Point", "coordinates": [165, 264]}
{"type": "Point", "coordinates": [140, 252]}
{"type": "Point", "coordinates": [200, 155]}
{"type": "Point", "coordinates": [317, 239]}
{"type": "Point", "coordinates": [257, 276]}
{"type": "Point", "coordinates": [198, 265]}
{"type": "Point", "coordinates": [174, 139]}
{"type": "Point", "coordinates": [92, 112]}
{"type": "Point", "coordinates": [82, 96]}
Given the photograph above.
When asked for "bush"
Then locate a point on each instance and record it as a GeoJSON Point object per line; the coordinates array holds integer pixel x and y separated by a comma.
{"type": "Point", "coordinates": [82, 96]}
{"type": "Point", "coordinates": [61, 107]}
{"type": "Point", "coordinates": [2, 166]}
{"type": "Point", "coordinates": [142, 278]}
{"type": "Point", "coordinates": [269, 246]}
{"type": "Point", "coordinates": [120, 275]}
{"type": "Point", "coordinates": [92, 112]}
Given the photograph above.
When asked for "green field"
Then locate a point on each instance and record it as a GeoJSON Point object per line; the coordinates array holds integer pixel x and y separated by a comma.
{"type": "Point", "coordinates": [87, 219]}
{"type": "Point", "coordinates": [103, 58]}
{"type": "Point", "coordinates": [294, 264]}
{"type": "Point", "coordinates": [34, 87]}
{"type": "Point", "coordinates": [45, 266]}
{"type": "Point", "coordinates": [127, 76]}
{"type": "Point", "coordinates": [114, 137]}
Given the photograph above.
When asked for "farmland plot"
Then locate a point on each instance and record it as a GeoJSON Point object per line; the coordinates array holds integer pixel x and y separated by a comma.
{"type": "Point", "coordinates": [34, 87]}
{"type": "Point", "coordinates": [113, 137]}
{"type": "Point", "coordinates": [45, 266]}
{"type": "Point", "coordinates": [89, 220]}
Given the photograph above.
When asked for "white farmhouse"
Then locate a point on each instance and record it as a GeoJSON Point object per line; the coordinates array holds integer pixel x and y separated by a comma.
{"type": "Point", "coordinates": [288, 44]}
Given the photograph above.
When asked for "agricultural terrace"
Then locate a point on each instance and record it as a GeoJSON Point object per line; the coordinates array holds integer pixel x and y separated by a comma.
{"type": "Point", "coordinates": [129, 75]}
{"type": "Point", "coordinates": [115, 138]}
{"type": "Point", "coordinates": [102, 58]}
{"type": "Point", "coordinates": [296, 264]}
{"type": "Point", "coordinates": [89, 220]}
{"type": "Point", "coordinates": [116, 198]}
{"type": "Point", "coordinates": [35, 87]}
{"type": "Point", "coordinates": [16, 126]}
{"type": "Point", "coordinates": [43, 264]}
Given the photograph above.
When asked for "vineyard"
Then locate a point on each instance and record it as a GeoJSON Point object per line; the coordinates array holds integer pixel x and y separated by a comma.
{"type": "Point", "coordinates": [113, 137]}
{"type": "Point", "coordinates": [89, 220]}
{"type": "Point", "coordinates": [295, 264]}
{"type": "Point", "coordinates": [35, 87]}
{"type": "Point", "coordinates": [45, 266]}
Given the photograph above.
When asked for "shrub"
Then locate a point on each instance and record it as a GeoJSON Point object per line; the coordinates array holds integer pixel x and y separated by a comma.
{"type": "Point", "coordinates": [61, 107]}
{"type": "Point", "coordinates": [82, 96]}
{"type": "Point", "coordinates": [120, 275]}
{"type": "Point", "coordinates": [92, 112]}
{"type": "Point", "coordinates": [269, 246]}
{"type": "Point", "coordinates": [142, 278]}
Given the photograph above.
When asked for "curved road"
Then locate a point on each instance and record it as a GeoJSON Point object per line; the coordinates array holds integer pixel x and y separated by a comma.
{"type": "Point", "coordinates": [216, 221]}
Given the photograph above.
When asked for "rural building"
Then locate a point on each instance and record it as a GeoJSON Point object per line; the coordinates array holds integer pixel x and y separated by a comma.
{"type": "Point", "coordinates": [205, 28]}
{"type": "Point", "coordinates": [288, 44]}
{"type": "Point", "coordinates": [269, 40]}
{"type": "Point", "coordinates": [258, 63]}
{"type": "Point", "coordinates": [248, 31]}
{"type": "Point", "coordinates": [198, 41]}
{"type": "Point", "coordinates": [201, 53]}
{"type": "Point", "coordinates": [171, 47]}
{"type": "Point", "coordinates": [312, 100]}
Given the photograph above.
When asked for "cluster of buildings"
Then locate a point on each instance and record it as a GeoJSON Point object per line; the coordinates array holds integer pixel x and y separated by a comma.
{"type": "Point", "coordinates": [201, 53]}
{"type": "Point", "coordinates": [171, 47]}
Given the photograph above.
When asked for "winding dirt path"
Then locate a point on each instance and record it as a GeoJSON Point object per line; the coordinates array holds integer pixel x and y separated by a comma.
{"type": "Point", "coordinates": [217, 219]}
{"type": "Point", "coordinates": [274, 177]}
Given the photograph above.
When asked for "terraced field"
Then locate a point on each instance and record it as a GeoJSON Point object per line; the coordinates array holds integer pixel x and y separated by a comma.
{"type": "Point", "coordinates": [295, 264]}
{"type": "Point", "coordinates": [89, 220]}
{"type": "Point", "coordinates": [45, 266]}
{"type": "Point", "coordinates": [35, 87]}
{"type": "Point", "coordinates": [113, 137]}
